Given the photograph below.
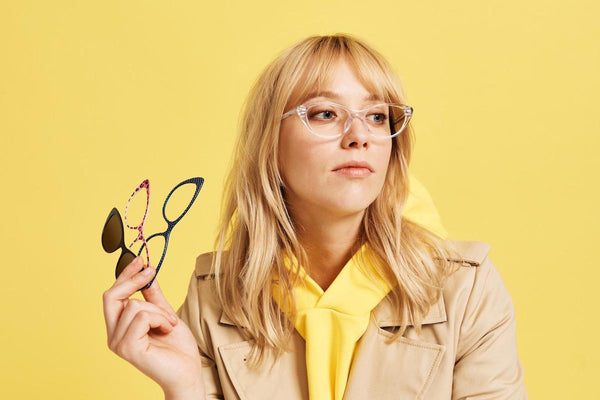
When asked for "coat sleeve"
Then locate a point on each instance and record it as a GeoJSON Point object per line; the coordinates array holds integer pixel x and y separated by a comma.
{"type": "Point", "coordinates": [487, 365]}
{"type": "Point", "coordinates": [189, 312]}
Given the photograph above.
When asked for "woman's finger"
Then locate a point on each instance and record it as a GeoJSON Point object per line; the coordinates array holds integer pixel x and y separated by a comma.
{"type": "Point", "coordinates": [132, 308]}
{"type": "Point", "coordinates": [155, 295]}
{"type": "Point", "coordinates": [113, 298]}
{"type": "Point", "coordinates": [135, 340]}
{"type": "Point", "coordinates": [124, 289]}
{"type": "Point", "coordinates": [131, 269]}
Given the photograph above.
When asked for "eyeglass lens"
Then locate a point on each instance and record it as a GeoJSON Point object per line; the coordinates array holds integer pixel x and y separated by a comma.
{"type": "Point", "coordinates": [137, 206]}
{"type": "Point", "coordinates": [156, 247]}
{"type": "Point", "coordinates": [178, 201]}
{"type": "Point", "coordinates": [328, 119]}
{"type": "Point", "coordinates": [124, 261]}
{"type": "Point", "coordinates": [113, 239]}
{"type": "Point", "coordinates": [112, 233]}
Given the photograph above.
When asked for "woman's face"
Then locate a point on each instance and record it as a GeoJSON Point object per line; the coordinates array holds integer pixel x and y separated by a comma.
{"type": "Point", "coordinates": [308, 163]}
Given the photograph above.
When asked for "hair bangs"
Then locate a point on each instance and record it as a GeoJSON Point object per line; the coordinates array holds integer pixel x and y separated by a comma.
{"type": "Point", "coordinates": [315, 71]}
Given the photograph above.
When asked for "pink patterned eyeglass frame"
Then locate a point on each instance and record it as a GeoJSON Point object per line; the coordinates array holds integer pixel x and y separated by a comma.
{"type": "Point", "coordinates": [140, 228]}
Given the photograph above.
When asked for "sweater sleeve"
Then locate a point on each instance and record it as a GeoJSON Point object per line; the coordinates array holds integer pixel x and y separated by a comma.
{"type": "Point", "coordinates": [487, 366]}
{"type": "Point", "coordinates": [189, 312]}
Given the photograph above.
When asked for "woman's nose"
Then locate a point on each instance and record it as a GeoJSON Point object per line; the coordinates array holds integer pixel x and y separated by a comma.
{"type": "Point", "coordinates": [357, 134]}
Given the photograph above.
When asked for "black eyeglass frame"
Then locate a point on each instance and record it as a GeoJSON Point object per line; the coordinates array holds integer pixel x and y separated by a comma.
{"type": "Point", "coordinates": [198, 181]}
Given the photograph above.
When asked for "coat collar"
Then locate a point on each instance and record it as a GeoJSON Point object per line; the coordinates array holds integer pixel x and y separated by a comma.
{"type": "Point", "coordinates": [384, 315]}
{"type": "Point", "coordinates": [471, 253]}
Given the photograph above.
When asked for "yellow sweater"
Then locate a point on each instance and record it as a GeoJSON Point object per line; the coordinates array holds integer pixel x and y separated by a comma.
{"type": "Point", "coordinates": [332, 321]}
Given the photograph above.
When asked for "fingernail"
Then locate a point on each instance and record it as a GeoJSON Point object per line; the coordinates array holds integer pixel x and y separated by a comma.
{"type": "Point", "coordinates": [173, 317]}
{"type": "Point", "coordinates": [147, 271]}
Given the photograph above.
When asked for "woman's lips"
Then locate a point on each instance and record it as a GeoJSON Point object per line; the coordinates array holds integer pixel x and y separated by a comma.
{"type": "Point", "coordinates": [354, 171]}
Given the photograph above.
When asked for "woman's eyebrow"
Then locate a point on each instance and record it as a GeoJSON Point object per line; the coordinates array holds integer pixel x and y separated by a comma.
{"type": "Point", "coordinates": [337, 96]}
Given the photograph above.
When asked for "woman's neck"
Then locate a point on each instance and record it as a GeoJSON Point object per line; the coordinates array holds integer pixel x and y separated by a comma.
{"type": "Point", "coordinates": [329, 243]}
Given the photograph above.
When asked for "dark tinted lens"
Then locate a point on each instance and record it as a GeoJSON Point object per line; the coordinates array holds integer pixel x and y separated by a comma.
{"type": "Point", "coordinates": [112, 233]}
{"type": "Point", "coordinates": [123, 262]}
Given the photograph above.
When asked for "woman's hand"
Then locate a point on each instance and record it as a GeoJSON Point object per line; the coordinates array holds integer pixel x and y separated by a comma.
{"type": "Point", "coordinates": [149, 335]}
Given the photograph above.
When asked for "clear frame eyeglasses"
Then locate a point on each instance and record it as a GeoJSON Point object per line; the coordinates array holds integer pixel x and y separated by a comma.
{"type": "Point", "coordinates": [331, 120]}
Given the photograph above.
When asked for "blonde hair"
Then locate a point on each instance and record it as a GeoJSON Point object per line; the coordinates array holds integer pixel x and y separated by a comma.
{"type": "Point", "coordinates": [256, 228]}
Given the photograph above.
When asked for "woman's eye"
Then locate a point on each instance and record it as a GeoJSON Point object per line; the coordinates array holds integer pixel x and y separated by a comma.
{"type": "Point", "coordinates": [378, 118]}
{"type": "Point", "coordinates": [325, 114]}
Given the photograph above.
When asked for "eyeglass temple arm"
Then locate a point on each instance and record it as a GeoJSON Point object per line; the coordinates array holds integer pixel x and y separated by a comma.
{"type": "Point", "coordinates": [287, 114]}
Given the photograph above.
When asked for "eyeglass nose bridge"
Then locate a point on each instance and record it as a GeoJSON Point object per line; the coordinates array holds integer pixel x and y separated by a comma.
{"type": "Point", "coordinates": [355, 114]}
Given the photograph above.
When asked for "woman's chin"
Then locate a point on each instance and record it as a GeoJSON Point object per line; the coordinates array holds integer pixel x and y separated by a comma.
{"type": "Point", "coordinates": [349, 208]}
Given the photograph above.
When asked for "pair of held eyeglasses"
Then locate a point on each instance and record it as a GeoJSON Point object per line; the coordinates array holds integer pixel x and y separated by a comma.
{"type": "Point", "coordinates": [113, 236]}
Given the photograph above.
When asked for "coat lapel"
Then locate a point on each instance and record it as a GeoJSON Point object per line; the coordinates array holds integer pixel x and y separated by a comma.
{"type": "Point", "coordinates": [284, 379]}
{"type": "Point", "coordinates": [384, 316]}
{"type": "Point", "coordinates": [410, 365]}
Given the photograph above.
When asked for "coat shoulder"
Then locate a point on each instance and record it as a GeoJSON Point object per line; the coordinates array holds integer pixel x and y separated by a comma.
{"type": "Point", "coordinates": [472, 259]}
{"type": "Point", "coordinates": [477, 281]}
{"type": "Point", "coordinates": [203, 268]}
{"type": "Point", "coordinates": [469, 253]}
{"type": "Point", "coordinates": [204, 288]}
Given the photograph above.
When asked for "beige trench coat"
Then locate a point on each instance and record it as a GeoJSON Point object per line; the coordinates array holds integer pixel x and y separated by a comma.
{"type": "Point", "coordinates": [466, 350]}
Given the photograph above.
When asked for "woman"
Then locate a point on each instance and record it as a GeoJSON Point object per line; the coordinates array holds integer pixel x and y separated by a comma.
{"type": "Point", "coordinates": [330, 279]}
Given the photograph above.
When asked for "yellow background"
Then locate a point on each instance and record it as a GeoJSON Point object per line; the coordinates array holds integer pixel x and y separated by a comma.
{"type": "Point", "coordinates": [96, 96]}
